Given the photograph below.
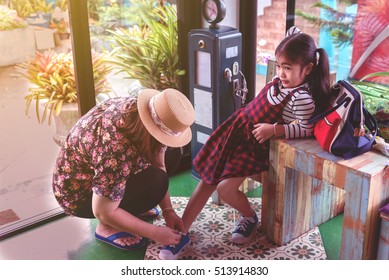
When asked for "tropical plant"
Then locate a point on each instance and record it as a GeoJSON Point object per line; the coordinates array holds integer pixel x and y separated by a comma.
{"type": "Point", "coordinates": [148, 52]}
{"type": "Point", "coordinates": [42, 6]}
{"type": "Point", "coordinates": [60, 26]}
{"type": "Point", "coordinates": [105, 17]}
{"type": "Point", "coordinates": [376, 95]}
{"type": "Point", "coordinates": [340, 24]}
{"type": "Point", "coordinates": [53, 76]}
{"type": "Point", "coordinates": [25, 8]}
{"type": "Point", "coordinates": [62, 4]}
{"type": "Point", "coordinates": [10, 20]}
{"type": "Point", "coordinates": [114, 15]}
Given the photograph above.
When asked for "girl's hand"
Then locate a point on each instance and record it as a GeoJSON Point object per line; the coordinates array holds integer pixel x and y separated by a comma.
{"type": "Point", "coordinates": [174, 221]}
{"type": "Point", "coordinates": [263, 131]}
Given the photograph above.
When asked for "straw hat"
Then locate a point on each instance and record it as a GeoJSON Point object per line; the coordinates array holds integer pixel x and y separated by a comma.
{"type": "Point", "coordinates": [167, 115]}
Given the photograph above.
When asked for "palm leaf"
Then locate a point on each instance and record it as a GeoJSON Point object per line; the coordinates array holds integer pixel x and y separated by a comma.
{"type": "Point", "coordinates": [375, 74]}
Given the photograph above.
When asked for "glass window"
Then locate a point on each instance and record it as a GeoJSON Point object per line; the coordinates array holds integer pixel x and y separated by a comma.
{"type": "Point", "coordinates": [345, 29]}
{"type": "Point", "coordinates": [34, 43]}
{"type": "Point", "coordinates": [36, 63]}
{"type": "Point", "coordinates": [355, 35]}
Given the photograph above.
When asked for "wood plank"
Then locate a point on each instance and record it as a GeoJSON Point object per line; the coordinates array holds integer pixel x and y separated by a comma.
{"type": "Point", "coordinates": [383, 242]}
{"type": "Point", "coordinates": [379, 193]}
{"type": "Point", "coordinates": [279, 189]}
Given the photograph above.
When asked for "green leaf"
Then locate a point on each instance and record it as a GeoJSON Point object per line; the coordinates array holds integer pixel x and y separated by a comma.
{"type": "Point", "coordinates": [375, 74]}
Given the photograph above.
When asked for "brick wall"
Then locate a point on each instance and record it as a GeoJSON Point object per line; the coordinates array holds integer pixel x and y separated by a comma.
{"type": "Point", "coordinates": [271, 26]}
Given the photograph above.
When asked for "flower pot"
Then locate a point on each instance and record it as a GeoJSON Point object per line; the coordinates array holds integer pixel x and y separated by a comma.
{"type": "Point", "coordinates": [64, 36]}
{"type": "Point", "coordinates": [62, 40]}
{"type": "Point", "coordinates": [65, 121]}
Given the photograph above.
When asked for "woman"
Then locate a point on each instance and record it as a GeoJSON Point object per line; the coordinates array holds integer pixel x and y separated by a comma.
{"type": "Point", "coordinates": [112, 166]}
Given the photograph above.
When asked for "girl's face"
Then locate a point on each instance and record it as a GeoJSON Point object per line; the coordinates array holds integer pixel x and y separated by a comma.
{"type": "Point", "coordinates": [291, 74]}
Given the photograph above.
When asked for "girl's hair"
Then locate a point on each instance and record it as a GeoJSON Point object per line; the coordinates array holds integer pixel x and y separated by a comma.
{"type": "Point", "coordinates": [301, 48]}
{"type": "Point", "coordinates": [137, 133]}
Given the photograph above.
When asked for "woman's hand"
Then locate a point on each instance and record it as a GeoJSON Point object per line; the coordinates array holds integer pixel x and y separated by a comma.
{"type": "Point", "coordinates": [166, 236]}
{"type": "Point", "coordinates": [174, 221]}
{"type": "Point", "coordinates": [263, 131]}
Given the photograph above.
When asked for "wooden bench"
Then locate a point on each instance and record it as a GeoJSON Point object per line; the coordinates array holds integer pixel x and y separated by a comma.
{"type": "Point", "coordinates": [308, 186]}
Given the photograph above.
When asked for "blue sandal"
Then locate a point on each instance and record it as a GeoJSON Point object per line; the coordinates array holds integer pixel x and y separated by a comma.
{"type": "Point", "coordinates": [110, 240]}
{"type": "Point", "coordinates": [150, 215]}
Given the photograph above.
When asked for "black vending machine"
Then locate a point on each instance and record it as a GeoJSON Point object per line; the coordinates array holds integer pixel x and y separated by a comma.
{"type": "Point", "coordinates": [216, 84]}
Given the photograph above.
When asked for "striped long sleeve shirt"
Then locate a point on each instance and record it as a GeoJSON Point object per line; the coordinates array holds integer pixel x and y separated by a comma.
{"type": "Point", "coordinates": [296, 113]}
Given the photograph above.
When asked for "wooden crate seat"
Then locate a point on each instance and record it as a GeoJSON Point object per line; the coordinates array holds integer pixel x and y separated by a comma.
{"type": "Point", "coordinates": [308, 186]}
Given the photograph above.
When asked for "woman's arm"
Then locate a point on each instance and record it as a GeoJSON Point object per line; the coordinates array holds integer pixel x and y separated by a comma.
{"type": "Point", "coordinates": [165, 203]}
{"type": "Point", "coordinates": [171, 218]}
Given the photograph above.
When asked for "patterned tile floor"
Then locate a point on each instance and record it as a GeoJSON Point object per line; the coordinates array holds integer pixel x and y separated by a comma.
{"type": "Point", "coordinates": [211, 238]}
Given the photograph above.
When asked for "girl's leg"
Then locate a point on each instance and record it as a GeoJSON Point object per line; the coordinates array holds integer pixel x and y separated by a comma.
{"type": "Point", "coordinates": [196, 203]}
{"type": "Point", "coordinates": [229, 192]}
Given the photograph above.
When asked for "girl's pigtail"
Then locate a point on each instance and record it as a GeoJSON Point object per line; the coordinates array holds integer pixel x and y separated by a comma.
{"type": "Point", "coordinates": [320, 80]}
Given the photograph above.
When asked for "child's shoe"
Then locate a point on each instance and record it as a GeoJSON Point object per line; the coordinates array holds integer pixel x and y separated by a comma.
{"type": "Point", "coordinates": [244, 228]}
{"type": "Point", "coordinates": [171, 252]}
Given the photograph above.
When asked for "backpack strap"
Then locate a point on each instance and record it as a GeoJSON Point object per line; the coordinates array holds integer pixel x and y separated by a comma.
{"type": "Point", "coordinates": [318, 117]}
{"type": "Point", "coordinates": [378, 40]}
{"type": "Point", "coordinates": [315, 119]}
{"type": "Point", "coordinates": [371, 124]}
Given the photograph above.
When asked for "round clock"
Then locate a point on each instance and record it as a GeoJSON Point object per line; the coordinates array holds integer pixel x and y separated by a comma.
{"type": "Point", "coordinates": [214, 11]}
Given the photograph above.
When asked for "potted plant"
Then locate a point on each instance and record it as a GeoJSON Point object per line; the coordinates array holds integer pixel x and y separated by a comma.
{"type": "Point", "coordinates": [148, 51]}
{"type": "Point", "coordinates": [60, 23]}
{"type": "Point", "coordinates": [40, 14]}
{"type": "Point", "coordinates": [61, 29]}
{"type": "Point", "coordinates": [9, 19]}
{"type": "Point", "coordinates": [28, 9]}
{"type": "Point", "coordinates": [55, 87]}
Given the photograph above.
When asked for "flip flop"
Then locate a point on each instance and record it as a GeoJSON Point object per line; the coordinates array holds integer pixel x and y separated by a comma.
{"type": "Point", "coordinates": [110, 240]}
{"type": "Point", "coordinates": [150, 215]}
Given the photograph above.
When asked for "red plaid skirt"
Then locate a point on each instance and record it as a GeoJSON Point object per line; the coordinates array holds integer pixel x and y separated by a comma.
{"type": "Point", "coordinates": [232, 150]}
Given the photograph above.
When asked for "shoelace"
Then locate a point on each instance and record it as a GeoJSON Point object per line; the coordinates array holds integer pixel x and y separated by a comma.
{"type": "Point", "coordinates": [244, 222]}
{"type": "Point", "coordinates": [174, 246]}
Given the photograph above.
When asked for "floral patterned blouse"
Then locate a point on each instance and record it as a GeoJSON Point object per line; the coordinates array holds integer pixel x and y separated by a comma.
{"type": "Point", "coordinates": [97, 156]}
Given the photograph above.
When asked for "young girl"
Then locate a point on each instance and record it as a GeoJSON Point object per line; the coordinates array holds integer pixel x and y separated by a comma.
{"type": "Point", "coordinates": [112, 166]}
{"type": "Point", "coordinates": [239, 147]}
